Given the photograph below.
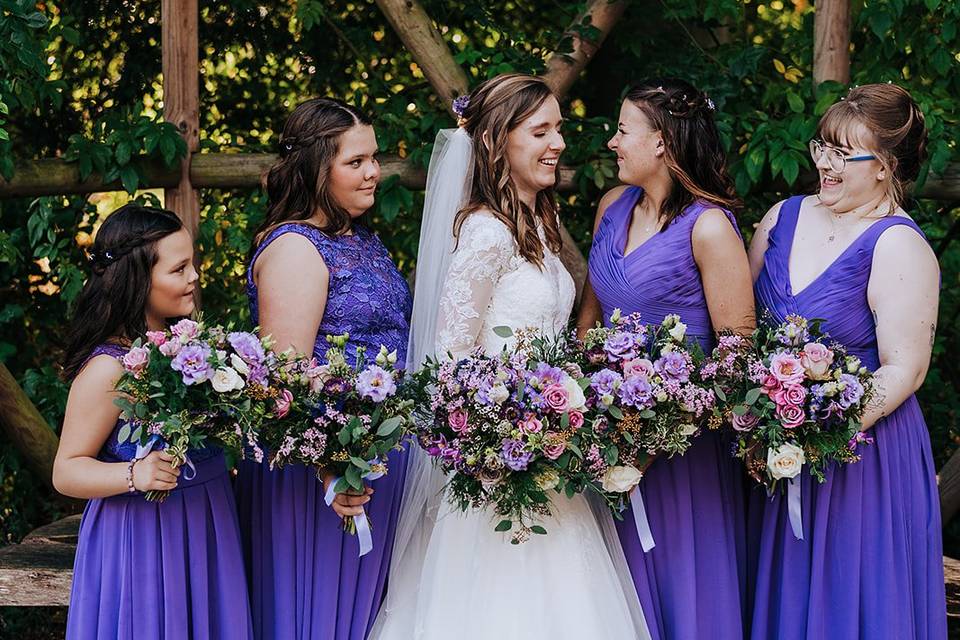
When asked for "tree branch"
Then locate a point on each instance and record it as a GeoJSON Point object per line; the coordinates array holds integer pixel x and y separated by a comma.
{"type": "Point", "coordinates": [564, 67]}
{"type": "Point", "coordinates": [26, 428]}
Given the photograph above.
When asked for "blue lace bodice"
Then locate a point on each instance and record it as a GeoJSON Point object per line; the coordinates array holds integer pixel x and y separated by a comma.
{"type": "Point", "coordinates": [367, 296]}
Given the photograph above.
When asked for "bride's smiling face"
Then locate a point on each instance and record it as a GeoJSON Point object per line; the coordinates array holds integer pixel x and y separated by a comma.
{"type": "Point", "coordinates": [534, 147]}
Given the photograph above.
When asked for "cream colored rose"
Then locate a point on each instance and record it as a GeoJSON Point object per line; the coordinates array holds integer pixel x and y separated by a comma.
{"type": "Point", "coordinates": [678, 331]}
{"type": "Point", "coordinates": [227, 379]}
{"type": "Point", "coordinates": [239, 364]}
{"type": "Point", "coordinates": [576, 399]}
{"type": "Point", "coordinates": [621, 479]}
{"type": "Point", "coordinates": [548, 479]}
{"type": "Point", "coordinates": [785, 462]}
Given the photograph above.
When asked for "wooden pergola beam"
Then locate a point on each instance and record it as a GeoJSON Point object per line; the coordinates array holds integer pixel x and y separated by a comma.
{"type": "Point", "coordinates": [563, 69]}
{"type": "Point", "coordinates": [180, 45]}
{"type": "Point", "coordinates": [831, 41]}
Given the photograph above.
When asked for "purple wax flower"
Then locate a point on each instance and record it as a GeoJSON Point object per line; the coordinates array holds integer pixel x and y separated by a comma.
{"type": "Point", "coordinates": [247, 346]}
{"type": "Point", "coordinates": [376, 383]}
{"type": "Point", "coordinates": [637, 392]}
{"type": "Point", "coordinates": [673, 366]}
{"type": "Point", "coordinates": [621, 346]}
{"type": "Point", "coordinates": [514, 456]}
{"type": "Point", "coordinates": [192, 364]}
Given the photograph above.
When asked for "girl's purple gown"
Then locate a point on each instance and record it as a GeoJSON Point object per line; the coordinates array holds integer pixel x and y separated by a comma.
{"type": "Point", "coordinates": [306, 579]}
{"type": "Point", "coordinates": [870, 565]}
{"type": "Point", "coordinates": [691, 583]}
{"type": "Point", "coordinates": [169, 570]}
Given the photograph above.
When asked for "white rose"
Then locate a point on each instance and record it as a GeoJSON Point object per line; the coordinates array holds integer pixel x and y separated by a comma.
{"type": "Point", "coordinates": [621, 479]}
{"type": "Point", "coordinates": [499, 393]}
{"type": "Point", "coordinates": [576, 399]}
{"type": "Point", "coordinates": [548, 479]}
{"type": "Point", "coordinates": [678, 331]}
{"type": "Point", "coordinates": [227, 379]}
{"type": "Point", "coordinates": [239, 364]}
{"type": "Point", "coordinates": [785, 462]}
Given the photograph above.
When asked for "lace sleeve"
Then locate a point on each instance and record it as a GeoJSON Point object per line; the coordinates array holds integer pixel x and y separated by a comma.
{"type": "Point", "coordinates": [485, 249]}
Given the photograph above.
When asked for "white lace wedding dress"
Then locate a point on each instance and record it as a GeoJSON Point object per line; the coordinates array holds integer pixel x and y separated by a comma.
{"type": "Point", "coordinates": [467, 581]}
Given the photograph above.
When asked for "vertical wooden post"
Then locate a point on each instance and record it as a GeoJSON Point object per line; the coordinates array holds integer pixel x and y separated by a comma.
{"type": "Point", "coordinates": [831, 41]}
{"type": "Point", "coordinates": [181, 97]}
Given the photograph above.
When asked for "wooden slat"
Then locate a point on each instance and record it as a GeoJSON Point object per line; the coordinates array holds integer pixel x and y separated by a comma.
{"type": "Point", "coordinates": [38, 571]}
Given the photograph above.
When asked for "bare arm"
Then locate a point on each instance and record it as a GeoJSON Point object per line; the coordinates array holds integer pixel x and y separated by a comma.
{"type": "Point", "coordinates": [903, 294]}
{"type": "Point", "coordinates": [292, 281]}
{"type": "Point", "coordinates": [761, 240]}
{"type": "Point", "coordinates": [725, 272]}
{"type": "Point", "coordinates": [590, 311]}
{"type": "Point", "coordinates": [88, 422]}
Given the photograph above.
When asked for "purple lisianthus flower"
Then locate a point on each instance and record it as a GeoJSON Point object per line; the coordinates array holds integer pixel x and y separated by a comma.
{"type": "Point", "coordinates": [376, 383]}
{"type": "Point", "coordinates": [336, 386]}
{"type": "Point", "coordinates": [192, 364]}
{"type": "Point", "coordinates": [621, 345]}
{"type": "Point", "coordinates": [673, 366]}
{"type": "Point", "coordinates": [247, 346]}
{"type": "Point", "coordinates": [859, 437]}
{"type": "Point", "coordinates": [852, 390]}
{"type": "Point", "coordinates": [514, 455]}
{"type": "Point", "coordinates": [637, 392]}
{"type": "Point", "coordinates": [605, 382]}
{"type": "Point", "coordinates": [544, 375]}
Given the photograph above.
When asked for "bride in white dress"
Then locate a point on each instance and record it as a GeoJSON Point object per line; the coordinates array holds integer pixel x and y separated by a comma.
{"type": "Point", "coordinates": [452, 575]}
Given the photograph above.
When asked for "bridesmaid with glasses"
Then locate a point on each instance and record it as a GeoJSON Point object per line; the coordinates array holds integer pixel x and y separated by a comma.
{"type": "Point", "coordinates": [869, 564]}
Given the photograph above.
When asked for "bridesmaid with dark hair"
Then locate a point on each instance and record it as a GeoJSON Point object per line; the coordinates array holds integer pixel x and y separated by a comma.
{"type": "Point", "coordinates": [150, 570]}
{"type": "Point", "coordinates": [870, 563]}
{"type": "Point", "coordinates": [315, 270]}
{"type": "Point", "coordinates": [667, 243]}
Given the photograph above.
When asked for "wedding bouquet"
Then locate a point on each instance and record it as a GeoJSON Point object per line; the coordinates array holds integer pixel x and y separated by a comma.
{"type": "Point", "coordinates": [341, 418]}
{"type": "Point", "coordinates": [645, 396]}
{"type": "Point", "coordinates": [194, 386]}
{"type": "Point", "coordinates": [790, 399]}
{"type": "Point", "coordinates": [507, 428]}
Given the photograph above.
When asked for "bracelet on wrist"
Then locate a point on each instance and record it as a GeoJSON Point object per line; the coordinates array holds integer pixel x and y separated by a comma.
{"type": "Point", "coordinates": [130, 465]}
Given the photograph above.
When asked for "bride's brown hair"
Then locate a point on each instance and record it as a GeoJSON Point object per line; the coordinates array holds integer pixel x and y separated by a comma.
{"type": "Point", "coordinates": [498, 106]}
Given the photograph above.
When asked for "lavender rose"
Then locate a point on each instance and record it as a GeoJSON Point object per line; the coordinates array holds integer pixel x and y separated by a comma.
{"type": "Point", "coordinates": [514, 455]}
{"type": "Point", "coordinates": [673, 366]}
{"type": "Point", "coordinates": [247, 346]}
{"type": "Point", "coordinates": [192, 363]}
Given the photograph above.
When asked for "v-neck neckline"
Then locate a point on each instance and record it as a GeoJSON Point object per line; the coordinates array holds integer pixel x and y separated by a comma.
{"type": "Point", "coordinates": [826, 270]}
{"type": "Point", "coordinates": [627, 223]}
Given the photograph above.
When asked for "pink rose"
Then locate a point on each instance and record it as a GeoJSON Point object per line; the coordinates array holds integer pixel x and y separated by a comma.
{"type": "Point", "coordinates": [283, 403]}
{"type": "Point", "coordinates": [638, 366]}
{"type": "Point", "coordinates": [186, 330]}
{"type": "Point", "coordinates": [576, 419]}
{"type": "Point", "coordinates": [816, 360]}
{"type": "Point", "coordinates": [317, 375]}
{"type": "Point", "coordinates": [457, 419]}
{"type": "Point", "coordinates": [771, 385]}
{"type": "Point", "coordinates": [156, 337]}
{"type": "Point", "coordinates": [530, 424]}
{"type": "Point", "coordinates": [746, 422]}
{"type": "Point", "coordinates": [170, 349]}
{"type": "Point", "coordinates": [557, 398]}
{"type": "Point", "coordinates": [553, 448]}
{"type": "Point", "coordinates": [790, 416]}
{"type": "Point", "coordinates": [136, 360]}
{"type": "Point", "coordinates": [786, 368]}
{"type": "Point", "coordinates": [792, 394]}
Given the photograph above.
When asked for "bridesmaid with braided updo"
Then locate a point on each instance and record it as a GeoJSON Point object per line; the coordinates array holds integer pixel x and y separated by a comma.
{"type": "Point", "coordinates": [869, 564]}
{"type": "Point", "coordinates": [316, 270]}
{"type": "Point", "coordinates": [667, 243]}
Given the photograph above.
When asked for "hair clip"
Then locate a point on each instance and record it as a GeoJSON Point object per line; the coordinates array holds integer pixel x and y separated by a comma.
{"type": "Point", "coordinates": [710, 104]}
{"type": "Point", "coordinates": [287, 144]}
{"type": "Point", "coordinates": [460, 107]}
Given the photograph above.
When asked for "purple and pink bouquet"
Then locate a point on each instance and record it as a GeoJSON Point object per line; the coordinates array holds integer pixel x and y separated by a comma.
{"type": "Point", "coordinates": [645, 397]}
{"type": "Point", "coordinates": [341, 418]}
{"type": "Point", "coordinates": [194, 386]}
{"type": "Point", "coordinates": [507, 428]}
{"type": "Point", "coordinates": [790, 399]}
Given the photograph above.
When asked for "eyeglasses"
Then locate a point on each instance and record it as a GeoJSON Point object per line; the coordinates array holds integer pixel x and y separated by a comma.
{"type": "Point", "coordinates": [836, 159]}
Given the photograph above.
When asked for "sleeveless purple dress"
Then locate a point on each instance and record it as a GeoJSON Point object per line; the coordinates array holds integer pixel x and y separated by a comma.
{"type": "Point", "coordinates": [306, 579]}
{"type": "Point", "coordinates": [153, 571]}
{"type": "Point", "coordinates": [870, 565]}
{"type": "Point", "coordinates": [692, 583]}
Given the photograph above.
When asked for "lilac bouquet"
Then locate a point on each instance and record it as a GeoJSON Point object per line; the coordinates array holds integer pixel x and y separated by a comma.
{"type": "Point", "coordinates": [341, 418]}
{"type": "Point", "coordinates": [507, 429]}
{"type": "Point", "coordinates": [194, 386]}
{"type": "Point", "coordinates": [645, 396]}
{"type": "Point", "coordinates": [790, 399]}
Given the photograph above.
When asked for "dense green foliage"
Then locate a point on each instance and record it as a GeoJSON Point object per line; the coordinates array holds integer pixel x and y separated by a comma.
{"type": "Point", "coordinates": [81, 80]}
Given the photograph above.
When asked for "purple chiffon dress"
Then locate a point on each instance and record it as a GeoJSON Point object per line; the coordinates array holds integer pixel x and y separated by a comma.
{"type": "Point", "coordinates": [152, 571]}
{"type": "Point", "coordinates": [870, 564]}
{"type": "Point", "coordinates": [306, 579]}
{"type": "Point", "coordinates": [692, 583]}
